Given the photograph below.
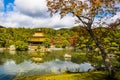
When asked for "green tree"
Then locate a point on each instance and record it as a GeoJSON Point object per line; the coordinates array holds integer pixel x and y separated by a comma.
{"type": "Point", "coordinates": [74, 41]}
{"type": "Point", "coordinates": [2, 40]}
{"type": "Point", "coordinates": [65, 43]}
{"type": "Point", "coordinates": [58, 43]}
{"type": "Point", "coordinates": [21, 46]}
{"type": "Point", "coordinates": [86, 12]}
{"type": "Point", "coordinates": [47, 43]}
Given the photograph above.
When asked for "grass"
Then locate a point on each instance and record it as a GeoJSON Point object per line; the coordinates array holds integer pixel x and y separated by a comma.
{"type": "Point", "coordinates": [117, 75]}
{"type": "Point", "coordinates": [99, 75]}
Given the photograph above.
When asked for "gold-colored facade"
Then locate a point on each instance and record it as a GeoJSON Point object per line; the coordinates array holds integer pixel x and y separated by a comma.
{"type": "Point", "coordinates": [38, 34]}
{"type": "Point", "coordinates": [37, 38]}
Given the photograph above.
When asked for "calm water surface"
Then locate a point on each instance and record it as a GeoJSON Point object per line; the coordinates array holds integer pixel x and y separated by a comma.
{"type": "Point", "coordinates": [14, 64]}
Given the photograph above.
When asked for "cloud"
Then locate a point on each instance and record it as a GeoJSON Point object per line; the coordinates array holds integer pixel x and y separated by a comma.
{"type": "Point", "coordinates": [114, 18]}
{"type": "Point", "coordinates": [104, 22]}
{"type": "Point", "coordinates": [16, 19]}
{"type": "Point", "coordinates": [32, 7]}
{"type": "Point", "coordinates": [32, 13]}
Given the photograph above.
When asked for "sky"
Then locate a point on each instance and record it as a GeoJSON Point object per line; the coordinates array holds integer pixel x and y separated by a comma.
{"type": "Point", "coordinates": [30, 14]}
{"type": "Point", "coordinates": [33, 13]}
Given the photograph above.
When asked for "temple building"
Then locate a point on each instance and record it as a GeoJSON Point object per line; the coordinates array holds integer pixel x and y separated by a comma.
{"type": "Point", "coordinates": [37, 38]}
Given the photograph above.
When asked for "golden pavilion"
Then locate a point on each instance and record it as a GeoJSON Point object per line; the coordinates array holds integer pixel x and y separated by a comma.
{"type": "Point", "coordinates": [37, 38]}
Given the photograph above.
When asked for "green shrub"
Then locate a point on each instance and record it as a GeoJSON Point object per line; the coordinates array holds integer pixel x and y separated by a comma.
{"type": "Point", "coordinates": [21, 46]}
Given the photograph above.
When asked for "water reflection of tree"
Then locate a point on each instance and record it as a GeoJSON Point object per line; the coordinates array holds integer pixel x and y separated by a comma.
{"type": "Point", "coordinates": [77, 57]}
{"type": "Point", "coordinates": [90, 57]}
{"type": "Point", "coordinates": [19, 57]}
{"type": "Point", "coordinates": [1, 62]}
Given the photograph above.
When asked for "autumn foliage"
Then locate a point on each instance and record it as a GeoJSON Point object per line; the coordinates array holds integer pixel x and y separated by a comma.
{"type": "Point", "coordinates": [86, 12]}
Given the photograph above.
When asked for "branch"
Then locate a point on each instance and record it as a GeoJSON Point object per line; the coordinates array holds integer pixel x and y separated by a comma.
{"type": "Point", "coordinates": [85, 17]}
{"type": "Point", "coordinates": [81, 20]}
{"type": "Point", "coordinates": [90, 21]}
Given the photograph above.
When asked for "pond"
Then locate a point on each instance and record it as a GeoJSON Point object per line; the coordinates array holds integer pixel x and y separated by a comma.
{"type": "Point", "coordinates": [16, 64]}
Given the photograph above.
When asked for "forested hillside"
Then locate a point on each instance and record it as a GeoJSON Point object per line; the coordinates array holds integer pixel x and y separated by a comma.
{"type": "Point", "coordinates": [76, 37]}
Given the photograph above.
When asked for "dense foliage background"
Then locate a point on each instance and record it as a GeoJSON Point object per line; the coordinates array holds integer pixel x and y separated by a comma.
{"type": "Point", "coordinates": [76, 37]}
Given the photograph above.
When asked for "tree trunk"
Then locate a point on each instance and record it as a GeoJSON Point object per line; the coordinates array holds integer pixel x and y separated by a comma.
{"type": "Point", "coordinates": [103, 53]}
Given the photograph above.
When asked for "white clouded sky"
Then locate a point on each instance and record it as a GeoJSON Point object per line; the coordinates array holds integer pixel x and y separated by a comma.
{"type": "Point", "coordinates": [33, 13]}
